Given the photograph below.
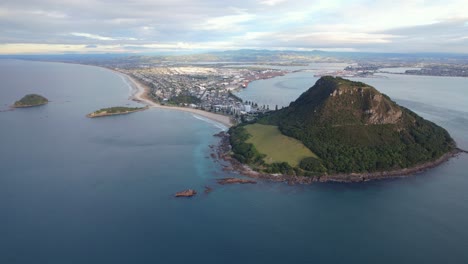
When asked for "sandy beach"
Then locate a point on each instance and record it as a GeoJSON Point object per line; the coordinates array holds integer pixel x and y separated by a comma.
{"type": "Point", "coordinates": [141, 95]}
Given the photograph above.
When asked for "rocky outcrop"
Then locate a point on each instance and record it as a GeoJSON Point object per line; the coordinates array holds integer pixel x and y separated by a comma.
{"type": "Point", "coordinates": [220, 134]}
{"type": "Point", "coordinates": [186, 193]}
{"type": "Point", "coordinates": [208, 189]}
{"type": "Point", "coordinates": [224, 154]}
{"type": "Point", "coordinates": [462, 150]}
{"type": "Point", "coordinates": [362, 177]}
{"type": "Point", "coordinates": [235, 180]}
{"type": "Point", "coordinates": [382, 112]}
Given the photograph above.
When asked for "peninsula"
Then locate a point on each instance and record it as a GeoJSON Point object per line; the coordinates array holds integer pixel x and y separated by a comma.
{"type": "Point", "coordinates": [117, 110]}
{"type": "Point", "coordinates": [31, 100]}
{"type": "Point", "coordinates": [340, 130]}
{"type": "Point", "coordinates": [142, 92]}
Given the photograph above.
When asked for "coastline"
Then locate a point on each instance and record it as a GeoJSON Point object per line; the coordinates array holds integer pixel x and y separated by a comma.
{"type": "Point", "coordinates": [26, 106]}
{"type": "Point", "coordinates": [400, 173]}
{"type": "Point", "coordinates": [224, 148]}
{"type": "Point", "coordinates": [141, 92]}
{"type": "Point", "coordinates": [94, 115]}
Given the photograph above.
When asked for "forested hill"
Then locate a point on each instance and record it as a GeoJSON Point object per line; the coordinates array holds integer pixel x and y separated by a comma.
{"type": "Point", "coordinates": [352, 127]}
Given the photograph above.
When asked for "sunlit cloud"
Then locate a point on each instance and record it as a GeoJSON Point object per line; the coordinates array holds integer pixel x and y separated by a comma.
{"type": "Point", "coordinates": [91, 36]}
{"type": "Point", "coordinates": [98, 37]}
{"type": "Point", "coordinates": [37, 48]}
{"type": "Point", "coordinates": [272, 2]}
{"type": "Point", "coordinates": [229, 22]}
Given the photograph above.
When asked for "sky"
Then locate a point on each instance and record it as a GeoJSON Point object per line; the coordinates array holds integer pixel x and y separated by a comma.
{"type": "Point", "coordinates": [152, 26]}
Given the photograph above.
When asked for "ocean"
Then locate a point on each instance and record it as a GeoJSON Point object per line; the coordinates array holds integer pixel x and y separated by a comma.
{"type": "Point", "coordinates": [80, 190]}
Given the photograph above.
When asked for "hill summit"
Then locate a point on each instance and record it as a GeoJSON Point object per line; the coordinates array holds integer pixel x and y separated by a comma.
{"type": "Point", "coordinates": [31, 100]}
{"type": "Point", "coordinates": [336, 101]}
{"type": "Point", "coordinates": [353, 128]}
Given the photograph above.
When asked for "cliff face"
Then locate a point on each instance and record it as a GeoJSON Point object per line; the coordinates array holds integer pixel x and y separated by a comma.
{"type": "Point", "coordinates": [352, 127]}
{"type": "Point", "coordinates": [337, 102]}
{"type": "Point", "coordinates": [382, 112]}
{"type": "Point", "coordinates": [364, 102]}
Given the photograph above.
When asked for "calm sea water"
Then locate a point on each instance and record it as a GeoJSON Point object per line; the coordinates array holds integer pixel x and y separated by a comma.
{"type": "Point", "coordinates": [79, 190]}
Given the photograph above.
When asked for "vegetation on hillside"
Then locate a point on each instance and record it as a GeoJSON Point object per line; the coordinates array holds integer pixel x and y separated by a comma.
{"type": "Point", "coordinates": [277, 147]}
{"type": "Point", "coordinates": [31, 100]}
{"type": "Point", "coordinates": [247, 153]}
{"type": "Point", "coordinates": [351, 127]}
{"type": "Point", "coordinates": [243, 151]}
{"type": "Point", "coordinates": [116, 110]}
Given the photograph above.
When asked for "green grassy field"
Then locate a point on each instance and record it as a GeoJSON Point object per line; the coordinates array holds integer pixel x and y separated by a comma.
{"type": "Point", "coordinates": [279, 148]}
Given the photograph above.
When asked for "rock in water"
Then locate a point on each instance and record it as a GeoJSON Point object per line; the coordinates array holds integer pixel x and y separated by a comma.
{"type": "Point", "coordinates": [186, 193]}
{"type": "Point", "coordinates": [208, 189]}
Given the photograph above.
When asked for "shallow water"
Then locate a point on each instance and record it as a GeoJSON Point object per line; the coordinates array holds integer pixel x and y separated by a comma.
{"type": "Point", "coordinates": [79, 190]}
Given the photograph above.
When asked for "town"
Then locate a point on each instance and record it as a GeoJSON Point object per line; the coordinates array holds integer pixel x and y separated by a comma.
{"type": "Point", "coordinates": [207, 88]}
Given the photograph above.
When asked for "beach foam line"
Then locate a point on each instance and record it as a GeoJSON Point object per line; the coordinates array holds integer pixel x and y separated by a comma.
{"type": "Point", "coordinates": [214, 123]}
{"type": "Point", "coordinates": [131, 87]}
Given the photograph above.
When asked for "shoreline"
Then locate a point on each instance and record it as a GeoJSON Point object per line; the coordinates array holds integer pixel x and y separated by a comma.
{"type": "Point", "coordinates": [140, 94]}
{"type": "Point", "coordinates": [224, 148]}
{"type": "Point", "coordinates": [95, 115]}
{"type": "Point", "coordinates": [399, 173]}
{"type": "Point", "coordinates": [26, 106]}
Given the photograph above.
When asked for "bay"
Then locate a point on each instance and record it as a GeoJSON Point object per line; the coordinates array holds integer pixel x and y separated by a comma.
{"type": "Point", "coordinates": [79, 190]}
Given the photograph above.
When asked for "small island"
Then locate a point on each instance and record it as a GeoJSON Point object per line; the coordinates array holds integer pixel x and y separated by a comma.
{"type": "Point", "coordinates": [117, 110]}
{"type": "Point", "coordinates": [31, 100]}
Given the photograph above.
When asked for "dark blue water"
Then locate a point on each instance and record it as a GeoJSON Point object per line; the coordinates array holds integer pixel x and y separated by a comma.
{"type": "Point", "coordinates": [79, 190]}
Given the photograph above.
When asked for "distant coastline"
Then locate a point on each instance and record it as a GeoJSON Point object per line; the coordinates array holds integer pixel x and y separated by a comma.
{"type": "Point", "coordinates": [141, 92]}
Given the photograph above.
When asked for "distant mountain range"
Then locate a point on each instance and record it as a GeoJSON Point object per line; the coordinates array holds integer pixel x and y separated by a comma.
{"type": "Point", "coordinates": [248, 55]}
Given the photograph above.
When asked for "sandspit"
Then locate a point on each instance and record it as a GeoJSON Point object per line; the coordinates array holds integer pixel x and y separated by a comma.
{"type": "Point", "coordinates": [141, 95]}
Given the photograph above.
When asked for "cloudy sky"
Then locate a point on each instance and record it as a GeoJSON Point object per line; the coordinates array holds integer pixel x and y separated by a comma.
{"type": "Point", "coordinates": [90, 26]}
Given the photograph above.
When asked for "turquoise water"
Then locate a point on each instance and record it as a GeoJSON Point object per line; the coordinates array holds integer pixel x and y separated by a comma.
{"type": "Point", "coordinates": [79, 190]}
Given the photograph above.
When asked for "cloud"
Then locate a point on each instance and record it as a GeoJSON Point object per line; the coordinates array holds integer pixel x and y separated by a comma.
{"type": "Point", "coordinates": [38, 48]}
{"type": "Point", "coordinates": [444, 36]}
{"type": "Point", "coordinates": [230, 22]}
{"type": "Point", "coordinates": [91, 36]}
{"type": "Point", "coordinates": [116, 26]}
{"type": "Point", "coordinates": [271, 2]}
